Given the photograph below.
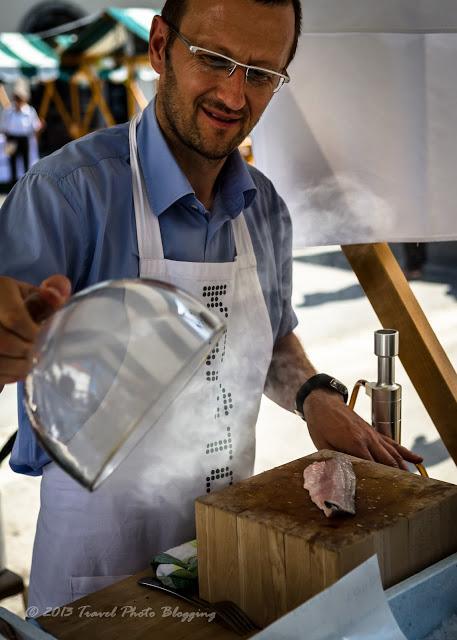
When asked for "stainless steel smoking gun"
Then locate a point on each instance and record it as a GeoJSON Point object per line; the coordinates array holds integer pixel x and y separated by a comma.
{"type": "Point", "coordinates": [385, 393]}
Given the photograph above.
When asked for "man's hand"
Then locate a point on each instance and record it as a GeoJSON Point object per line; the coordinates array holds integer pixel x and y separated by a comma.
{"type": "Point", "coordinates": [22, 307]}
{"type": "Point", "coordinates": [332, 425]}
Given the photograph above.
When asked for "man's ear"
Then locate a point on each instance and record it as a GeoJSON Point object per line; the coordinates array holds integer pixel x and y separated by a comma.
{"type": "Point", "coordinates": [157, 43]}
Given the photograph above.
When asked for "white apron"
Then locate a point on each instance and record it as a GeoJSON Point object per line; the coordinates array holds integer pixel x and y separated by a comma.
{"type": "Point", "coordinates": [203, 442]}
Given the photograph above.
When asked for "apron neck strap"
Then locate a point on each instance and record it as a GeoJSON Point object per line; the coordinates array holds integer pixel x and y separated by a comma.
{"type": "Point", "coordinates": [147, 223]}
{"type": "Point", "coordinates": [243, 242]}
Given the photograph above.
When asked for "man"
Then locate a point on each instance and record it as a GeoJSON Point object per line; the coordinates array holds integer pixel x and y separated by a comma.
{"type": "Point", "coordinates": [169, 197]}
{"type": "Point", "coordinates": [19, 123]}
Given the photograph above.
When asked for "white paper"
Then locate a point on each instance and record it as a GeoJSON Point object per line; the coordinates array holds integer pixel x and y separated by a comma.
{"type": "Point", "coordinates": [355, 608]}
{"type": "Point", "coordinates": [362, 144]}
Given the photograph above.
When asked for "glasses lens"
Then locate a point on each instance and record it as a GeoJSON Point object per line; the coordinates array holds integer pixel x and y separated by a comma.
{"type": "Point", "coordinates": [212, 61]}
{"type": "Point", "coordinates": [261, 78]}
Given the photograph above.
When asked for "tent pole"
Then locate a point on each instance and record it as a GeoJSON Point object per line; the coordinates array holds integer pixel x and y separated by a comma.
{"type": "Point", "coordinates": [63, 113]}
{"type": "Point", "coordinates": [75, 106]}
{"type": "Point", "coordinates": [4, 100]}
{"type": "Point", "coordinates": [138, 95]}
{"type": "Point", "coordinates": [131, 106]}
{"type": "Point", "coordinates": [46, 99]}
{"type": "Point", "coordinates": [95, 84]}
{"type": "Point", "coordinates": [85, 126]}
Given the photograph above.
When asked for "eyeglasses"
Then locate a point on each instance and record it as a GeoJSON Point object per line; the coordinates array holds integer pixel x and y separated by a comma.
{"type": "Point", "coordinates": [256, 77]}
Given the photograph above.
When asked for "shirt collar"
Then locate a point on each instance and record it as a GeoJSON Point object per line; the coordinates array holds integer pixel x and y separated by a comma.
{"type": "Point", "coordinates": [165, 181]}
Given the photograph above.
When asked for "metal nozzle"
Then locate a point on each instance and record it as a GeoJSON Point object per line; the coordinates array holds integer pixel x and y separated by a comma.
{"type": "Point", "coordinates": [386, 348]}
{"type": "Point", "coordinates": [385, 393]}
{"type": "Point", "coordinates": [386, 343]}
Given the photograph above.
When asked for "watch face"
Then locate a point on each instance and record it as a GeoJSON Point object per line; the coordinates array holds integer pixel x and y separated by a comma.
{"type": "Point", "coordinates": [339, 386]}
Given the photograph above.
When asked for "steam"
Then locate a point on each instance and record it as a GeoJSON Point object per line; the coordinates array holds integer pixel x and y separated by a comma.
{"type": "Point", "coordinates": [339, 206]}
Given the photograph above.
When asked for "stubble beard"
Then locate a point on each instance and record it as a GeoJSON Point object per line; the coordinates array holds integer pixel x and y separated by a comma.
{"type": "Point", "coordinates": [187, 130]}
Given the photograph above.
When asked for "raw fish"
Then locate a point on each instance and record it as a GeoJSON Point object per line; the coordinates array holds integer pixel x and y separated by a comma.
{"type": "Point", "coordinates": [331, 485]}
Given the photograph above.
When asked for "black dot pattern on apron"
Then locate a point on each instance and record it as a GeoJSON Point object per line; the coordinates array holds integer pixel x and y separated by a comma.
{"type": "Point", "coordinates": [214, 298]}
{"type": "Point", "coordinates": [215, 359]}
{"type": "Point", "coordinates": [219, 446]}
{"type": "Point", "coordinates": [224, 403]}
{"type": "Point", "coordinates": [217, 474]}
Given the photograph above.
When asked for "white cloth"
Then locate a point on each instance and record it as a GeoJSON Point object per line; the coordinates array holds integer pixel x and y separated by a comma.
{"type": "Point", "coordinates": [203, 442]}
{"type": "Point", "coordinates": [22, 122]}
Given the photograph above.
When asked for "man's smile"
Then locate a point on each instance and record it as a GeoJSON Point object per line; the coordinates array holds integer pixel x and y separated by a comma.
{"type": "Point", "coordinates": [220, 119]}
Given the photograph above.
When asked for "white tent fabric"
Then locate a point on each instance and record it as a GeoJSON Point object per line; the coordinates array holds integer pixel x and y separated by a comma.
{"type": "Point", "coordinates": [26, 54]}
{"type": "Point", "coordinates": [362, 144]}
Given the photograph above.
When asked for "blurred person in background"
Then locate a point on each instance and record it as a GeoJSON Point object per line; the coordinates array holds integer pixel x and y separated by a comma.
{"type": "Point", "coordinates": [20, 124]}
{"type": "Point", "coordinates": [415, 259]}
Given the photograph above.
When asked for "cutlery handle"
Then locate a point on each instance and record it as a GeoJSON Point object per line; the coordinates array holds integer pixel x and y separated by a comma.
{"type": "Point", "coordinates": [153, 583]}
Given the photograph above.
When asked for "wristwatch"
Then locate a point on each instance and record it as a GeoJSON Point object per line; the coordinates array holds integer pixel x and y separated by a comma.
{"type": "Point", "coordinates": [319, 381]}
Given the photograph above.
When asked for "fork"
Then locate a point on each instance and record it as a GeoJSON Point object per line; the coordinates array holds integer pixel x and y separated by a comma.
{"type": "Point", "coordinates": [228, 612]}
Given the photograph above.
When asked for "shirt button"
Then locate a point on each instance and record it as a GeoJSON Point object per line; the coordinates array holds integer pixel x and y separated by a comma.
{"type": "Point", "coordinates": [194, 207]}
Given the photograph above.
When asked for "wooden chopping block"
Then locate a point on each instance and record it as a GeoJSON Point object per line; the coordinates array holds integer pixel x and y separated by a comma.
{"type": "Point", "coordinates": [265, 545]}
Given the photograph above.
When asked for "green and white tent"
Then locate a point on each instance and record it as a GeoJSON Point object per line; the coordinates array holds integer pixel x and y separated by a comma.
{"type": "Point", "coordinates": [111, 31]}
{"type": "Point", "coordinates": [26, 55]}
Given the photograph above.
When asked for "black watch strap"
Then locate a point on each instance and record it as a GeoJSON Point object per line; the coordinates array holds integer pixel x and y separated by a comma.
{"type": "Point", "coordinates": [319, 381]}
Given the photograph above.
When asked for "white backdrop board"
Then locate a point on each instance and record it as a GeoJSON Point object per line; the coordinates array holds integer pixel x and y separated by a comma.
{"type": "Point", "coordinates": [362, 144]}
{"type": "Point", "coordinates": [330, 16]}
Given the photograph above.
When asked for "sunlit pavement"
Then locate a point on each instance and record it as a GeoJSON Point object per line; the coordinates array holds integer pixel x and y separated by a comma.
{"type": "Point", "coordinates": [336, 325]}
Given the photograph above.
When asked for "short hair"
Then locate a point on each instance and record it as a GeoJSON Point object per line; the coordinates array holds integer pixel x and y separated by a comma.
{"type": "Point", "coordinates": [174, 10]}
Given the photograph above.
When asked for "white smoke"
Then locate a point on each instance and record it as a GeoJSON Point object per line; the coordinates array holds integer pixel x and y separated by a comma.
{"type": "Point", "coordinates": [339, 202]}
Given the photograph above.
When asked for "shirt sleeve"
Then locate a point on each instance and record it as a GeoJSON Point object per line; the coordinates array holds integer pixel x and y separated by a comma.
{"type": "Point", "coordinates": [270, 227]}
{"type": "Point", "coordinates": [41, 231]}
{"type": "Point", "coordinates": [40, 234]}
{"type": "Point", "coordinates": [288, 320]}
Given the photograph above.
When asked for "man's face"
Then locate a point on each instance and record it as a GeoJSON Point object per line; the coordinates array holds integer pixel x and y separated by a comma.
{"type": "Point", "coordinates": [211, 113]}
{"type": "Point", "coordinates": [18, 102]}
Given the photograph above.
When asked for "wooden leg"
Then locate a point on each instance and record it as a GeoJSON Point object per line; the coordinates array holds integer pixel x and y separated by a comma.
{"type": "Point", "coordinates": [100, 100]}
{"type": "Point", "coordinates": [138, 95]}
{"type": "Point", "coordinates": [75, 108]}
{"type": "Point", "coordinates": [4, 100]}
{"type": "Point", "coordinates": [46, 99]}
{"type": "Point", "coordinates": [88, 116]}
{"type": "Point", "coordinates": [62, 110]}
{"type": "Point", "coordinates": [131, 103]}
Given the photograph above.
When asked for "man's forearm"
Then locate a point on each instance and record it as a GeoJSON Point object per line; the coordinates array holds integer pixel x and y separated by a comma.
{"type": "Point", "coordinates": [289, 369]}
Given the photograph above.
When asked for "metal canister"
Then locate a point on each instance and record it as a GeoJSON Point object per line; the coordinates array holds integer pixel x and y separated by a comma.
{"type": "Point", "coordinates": [386, 393]}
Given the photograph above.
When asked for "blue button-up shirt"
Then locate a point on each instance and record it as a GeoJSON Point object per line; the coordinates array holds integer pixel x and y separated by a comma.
{"type": "Point", "coordinates": [72, 213]}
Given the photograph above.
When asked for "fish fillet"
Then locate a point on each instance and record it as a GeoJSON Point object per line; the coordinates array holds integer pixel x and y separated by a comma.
{"type": "Point", "coordinates": [331, 485]}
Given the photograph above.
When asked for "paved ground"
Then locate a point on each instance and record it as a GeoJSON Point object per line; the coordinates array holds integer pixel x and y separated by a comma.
{"type": "Point", "coordinates": [336, 327]}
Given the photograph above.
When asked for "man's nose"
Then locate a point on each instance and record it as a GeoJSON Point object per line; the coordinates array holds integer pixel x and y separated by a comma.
{"type": "Point", "coordinates": [231, 90]}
